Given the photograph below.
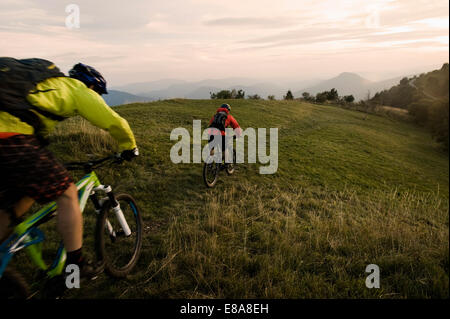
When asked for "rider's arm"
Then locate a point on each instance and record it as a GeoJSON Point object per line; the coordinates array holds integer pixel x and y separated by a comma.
{"type": "Point", "coordinates": [235, 125]}
{"type": "Point", "coordinates": [69, 97]}
{"type": "Point", "coordinates": [93, 108]}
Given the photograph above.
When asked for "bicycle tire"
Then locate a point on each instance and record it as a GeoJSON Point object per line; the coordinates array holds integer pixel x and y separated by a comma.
{"type": "Point", "coordinates": [102, 238]}
{"type": "Point", "coordinates": [13, 285]}
{"type": "Point", "coordinates": [230, 168]}
{"type": "Point", "coordinates": [206, 166]}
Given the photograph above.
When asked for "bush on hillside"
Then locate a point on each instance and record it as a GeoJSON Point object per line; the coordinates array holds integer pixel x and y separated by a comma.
{"type": "Point", "coordinates": [227, 94]}
{"type": "Point", "coordinates": [289, 95]}
{"type": "Point", "coordinates": [254, 97]}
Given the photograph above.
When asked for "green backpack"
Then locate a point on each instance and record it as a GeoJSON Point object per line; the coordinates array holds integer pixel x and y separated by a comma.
{"type": "Point", "coordinates": [18, 78]}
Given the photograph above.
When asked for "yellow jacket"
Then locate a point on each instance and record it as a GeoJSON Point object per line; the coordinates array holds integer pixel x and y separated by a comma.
{"type": "Point", "coordinates": [68, 97]}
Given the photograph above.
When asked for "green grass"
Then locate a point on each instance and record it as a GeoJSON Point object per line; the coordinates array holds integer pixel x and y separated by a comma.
{"type": "Point", "coordinates": [352, 189]}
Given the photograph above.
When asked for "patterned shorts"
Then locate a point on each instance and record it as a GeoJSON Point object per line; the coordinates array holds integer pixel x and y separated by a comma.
{"type": "Point", "coordinates": [28, 169]}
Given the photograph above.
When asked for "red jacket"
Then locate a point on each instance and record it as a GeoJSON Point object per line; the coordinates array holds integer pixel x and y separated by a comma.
{"type": "Point", "coordinates": [230, 122]}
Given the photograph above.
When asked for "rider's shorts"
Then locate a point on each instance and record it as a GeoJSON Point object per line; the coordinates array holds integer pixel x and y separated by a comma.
{"type": "Point", "coordinates": [29, 169]}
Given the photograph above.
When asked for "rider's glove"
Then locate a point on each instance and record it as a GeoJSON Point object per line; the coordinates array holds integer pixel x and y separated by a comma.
{"type": "Point", "coordinates": [128, 155]}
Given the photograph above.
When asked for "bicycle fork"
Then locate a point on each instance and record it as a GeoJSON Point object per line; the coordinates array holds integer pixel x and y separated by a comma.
{"type": "Point", "coordinates": [115, 206]}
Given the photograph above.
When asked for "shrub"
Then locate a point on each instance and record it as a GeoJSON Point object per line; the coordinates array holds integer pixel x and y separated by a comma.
{"type": "Point", "coordinates": [254, 97]}
{"type": "Point", "coordinates": [289, 95]}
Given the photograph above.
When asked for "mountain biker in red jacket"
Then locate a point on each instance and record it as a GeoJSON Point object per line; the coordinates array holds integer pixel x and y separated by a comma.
{"type": "Point", "coordinates": [215, 128]}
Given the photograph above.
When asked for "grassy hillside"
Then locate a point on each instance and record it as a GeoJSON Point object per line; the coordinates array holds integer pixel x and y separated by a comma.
{"type": "Point", "coordinates": [352, 189]}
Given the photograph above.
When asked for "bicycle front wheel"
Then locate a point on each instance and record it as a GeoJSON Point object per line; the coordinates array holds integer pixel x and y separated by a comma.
{"type": "Point", "coordinates": [119, 251]}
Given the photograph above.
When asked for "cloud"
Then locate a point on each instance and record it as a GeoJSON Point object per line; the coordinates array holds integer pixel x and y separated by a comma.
{"type": "Point", "coordinates": [438, 23]}
{"type": "Point", "coordinates": [262, 22]}
{"type": "Point", "coordinates": [138, 39]}
{"type": "Point", "coordinates": [355, 33]}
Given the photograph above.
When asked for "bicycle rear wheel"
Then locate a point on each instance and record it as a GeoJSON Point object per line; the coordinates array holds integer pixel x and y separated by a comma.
{"type": "Point", "coordinates": [230, 167]}
{"type": "Point", "coordinates": [13, 285]}
{"type": "Point", "coordinates": [119, 252]}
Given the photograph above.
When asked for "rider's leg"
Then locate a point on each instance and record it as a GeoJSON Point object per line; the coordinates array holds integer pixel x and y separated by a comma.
{"type": "Point", "coordinates": [224, 149]}
{"type": "Point", "coordinates": [70, 226]}
{"type": "Point", "coordinates": [214, 142]}
{"type": "Point", "coordinates": [70, 220]}
{"type": "Point", "coordinates": [211, 145]}
{"type": "Point", "coordinates": [20, 208]}
{"type": "Point", "coordinates": [23, 205]}
{"type": "Point", "coordinates": [4, 223]}
{"type": "Point", "coordinates": [5, 229]}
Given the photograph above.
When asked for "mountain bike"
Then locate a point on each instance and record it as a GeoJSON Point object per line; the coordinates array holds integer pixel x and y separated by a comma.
{"type": "Point", "coordinates": [118, 233]}
{"type": "Point", "coordinates": [212, 167]}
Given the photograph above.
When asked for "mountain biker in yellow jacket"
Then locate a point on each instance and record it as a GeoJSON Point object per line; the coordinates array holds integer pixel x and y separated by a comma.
{"type": "Point", "coordinates": [29, 171]}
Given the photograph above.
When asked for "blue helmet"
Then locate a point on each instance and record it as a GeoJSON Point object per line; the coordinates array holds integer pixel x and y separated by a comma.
{"type": "Point", "coordinates": [226, 106]}
{"type": "Point", "coordinates": [89, 76]}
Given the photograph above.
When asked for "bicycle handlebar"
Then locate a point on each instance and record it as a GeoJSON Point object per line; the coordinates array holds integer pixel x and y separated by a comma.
{"type": "Point", "coordinates": [93, 164]}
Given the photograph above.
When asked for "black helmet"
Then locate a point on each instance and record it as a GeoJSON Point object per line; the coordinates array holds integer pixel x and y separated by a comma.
{"type": "Point", "coordinates": [226, 106]}
{"type": "Point", "coordinates": [89, 76]}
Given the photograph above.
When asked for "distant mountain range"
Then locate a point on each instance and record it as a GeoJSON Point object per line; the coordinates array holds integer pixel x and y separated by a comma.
{"type": "Point", "coordinates": [351, 84]}
{"type": "Point", "coordinates": [345, 83]}
{"type": "Point", "coordinates": [142, 88]}
{"type": "Point", "coordinates": [115, 97]}
{"type": "Point", "coordinates": [170, 88]}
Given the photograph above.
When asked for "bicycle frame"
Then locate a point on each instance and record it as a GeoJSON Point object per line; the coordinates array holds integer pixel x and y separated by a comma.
{"type": "Point", "coordinates": [28, 235]}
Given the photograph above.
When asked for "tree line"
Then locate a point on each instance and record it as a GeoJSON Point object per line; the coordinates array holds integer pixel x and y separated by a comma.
{"type": "Point", "coordinates": [330, 96]}
{"type": "Point", "coordinates": [236, 94]}
{"type": "Point", "coordinates": [426, 97]}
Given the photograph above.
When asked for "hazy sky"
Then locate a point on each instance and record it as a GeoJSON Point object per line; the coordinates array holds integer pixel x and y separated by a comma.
{"type": "Point", "coordinates": [143, 40]}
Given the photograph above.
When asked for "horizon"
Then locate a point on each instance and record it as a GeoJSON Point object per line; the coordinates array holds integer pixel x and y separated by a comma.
{"type": "Point", "coordinates": [288, 41]}
{"type": "Point", "coordinates": [418, 71]}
